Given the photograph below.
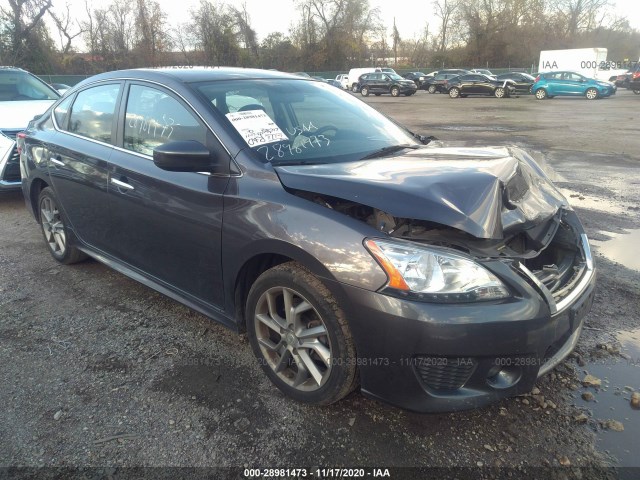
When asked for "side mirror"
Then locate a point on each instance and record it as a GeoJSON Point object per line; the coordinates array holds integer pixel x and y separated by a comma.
{"type": "Point", "coordinates": [183, 156]}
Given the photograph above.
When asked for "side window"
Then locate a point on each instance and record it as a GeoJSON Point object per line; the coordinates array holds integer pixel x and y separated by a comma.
{"type": "Point", "coordinates": [60, 113]}
{"type": "Point", "coordinates": [92, 112]}
{"type": "Point", "coordinates": [153, 118]}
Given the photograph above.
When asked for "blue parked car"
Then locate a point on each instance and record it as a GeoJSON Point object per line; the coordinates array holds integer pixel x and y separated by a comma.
{"type": "Point", "coordinates": [550, 84]}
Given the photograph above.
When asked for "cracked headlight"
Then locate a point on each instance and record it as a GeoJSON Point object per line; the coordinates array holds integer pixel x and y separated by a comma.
{"type": "Point", "coordinates": [434, 274]}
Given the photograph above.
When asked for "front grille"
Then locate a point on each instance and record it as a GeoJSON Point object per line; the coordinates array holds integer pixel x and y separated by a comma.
{"type": "Point", "coordinates": [444, 373]}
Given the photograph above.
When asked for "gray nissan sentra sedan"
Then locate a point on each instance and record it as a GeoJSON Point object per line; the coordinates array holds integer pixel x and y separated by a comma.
{"type": "Point", "coordinates": [352, 251]}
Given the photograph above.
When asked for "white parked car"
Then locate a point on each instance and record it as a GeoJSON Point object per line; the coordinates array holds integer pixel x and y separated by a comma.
{"type": "Point", "coordinates": [22, 97]}
{"type": "Point", "coordinates": [343, 78]}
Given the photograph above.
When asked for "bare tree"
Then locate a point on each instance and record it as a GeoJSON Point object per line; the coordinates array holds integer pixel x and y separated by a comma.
{"type": "Point", "coordinates": [23, 18]}
{"type": "Point", "coordinates": [65, 24]}
{"type": "Point", "coordinates": [445, 11]}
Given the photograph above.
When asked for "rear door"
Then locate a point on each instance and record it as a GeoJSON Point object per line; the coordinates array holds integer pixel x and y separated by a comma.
{"type": "Point", "coordinates": [78, 162]}
{"type": "Point", "coordinates": [166, 224]}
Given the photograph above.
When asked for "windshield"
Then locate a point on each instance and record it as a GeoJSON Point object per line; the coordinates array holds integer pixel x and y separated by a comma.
{"type": "Point", "coordinates": [395, 76]}
{"type": "Point", "coordinates": [20, 86]}
{"type": "Point", "coordinates": [287, 121]}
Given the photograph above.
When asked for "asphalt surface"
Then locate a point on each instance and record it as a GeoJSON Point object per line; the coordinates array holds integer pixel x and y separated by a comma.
{"type": "Point", "coordinates": [100, 371]}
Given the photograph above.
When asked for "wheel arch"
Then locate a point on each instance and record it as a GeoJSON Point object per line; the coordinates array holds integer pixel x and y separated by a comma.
{"type": "Point", "coordinates": [269, 254]}
{"type": "Point", "coordinates": [37, 185]}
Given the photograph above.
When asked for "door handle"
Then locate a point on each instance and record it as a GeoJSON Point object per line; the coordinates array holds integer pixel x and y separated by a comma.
{"type": "Point", "coordinates": [121, 184]}
{"type": "Point", "coordinates": [57, 160]}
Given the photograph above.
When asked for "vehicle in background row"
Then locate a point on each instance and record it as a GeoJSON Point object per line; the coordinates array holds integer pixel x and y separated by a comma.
{"type": "Point", "coordinates": [343, 79]}
{"type": "Point", "coordinates": [483, 71]}
{"type": "Point", "coordinates": [551, 84]}
{"type": "Point", "coordinates": [589, 62]}
{"type": "Point", "coordinates": [356, 73]}
{"type": "Point", "coordinates": [60, 87]}
{"type": "Point", "coordinates": [416, 77]}
{"type": "Point", "coordinates": [392, 83]}
{"type": "Point", "coordinates": [22, 96]}
{"type": "Point", "coordinates": [520, 80]}
{"type": "Point", "coordinates": [333, 82]}
{"type": "Point", "coordinates": [350, 251]}
{"type": "Point", "coordinates": [634, 79]}
{"type": "Point", "coordinates": [478, 84]}
{"type": "Point", "coordinates": [437, 84]}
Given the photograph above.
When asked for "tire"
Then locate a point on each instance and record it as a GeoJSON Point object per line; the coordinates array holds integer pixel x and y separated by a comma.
{"type": "Point", "coordinates": [499, 92]}
{"type": "Point", "coordinates": [636, 91]}
{"type": "Point", "coordinates": [432, 89]}
{"type": "Point", "coordinates": [591, 94]}
{"type": "Point", "coordinates": [541, 94]}
{"type": "Point", "coordinates": [54, 229]}
{"type": "Point", "coordinates": [364, 91]}
{"type": "Point", "coordinates": [329, 359]}
{"type": "Point", "coordinates": [354, 88]}
{"type": "Point", "coordinates": [454, 92]}
{"type": "Point", "coordinates": [395, 91]}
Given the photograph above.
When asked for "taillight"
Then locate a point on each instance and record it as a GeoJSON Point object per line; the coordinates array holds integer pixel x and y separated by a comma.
{"type": "Point", "coordinates": [20, 141]}
{"type": "Point", "coordinates": [636, 75]}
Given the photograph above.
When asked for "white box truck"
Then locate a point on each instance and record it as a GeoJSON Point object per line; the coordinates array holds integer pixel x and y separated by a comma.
{"type": "Point", "coordinates": [590, 62]}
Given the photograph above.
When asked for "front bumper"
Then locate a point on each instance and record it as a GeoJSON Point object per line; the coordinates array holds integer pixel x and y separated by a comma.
{"type": "Point", "coordinates": [9, 163]}
{"type": "Point", "coordinates": [434, 358]}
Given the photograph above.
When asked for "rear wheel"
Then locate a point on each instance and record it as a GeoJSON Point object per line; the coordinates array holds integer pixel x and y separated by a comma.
{"type": "Point", "coordinates": [636, 91]}
{"type": "Point", "coordinates": [591, 94]}
{"type": "Point", "coordinates": [54, 229]}
{"type": "Point", "coordinates": [454, 92]}
{"type": "Point", "coordinates": [364, 91]}
{"type": "Point", "coordinates": [541, 94]}
{"type": "Point", "coordinates": [432, 89]}
{"type": "Point", "coordinates": [354, 88]}
{"type": "Point", "coordinates": [395, 91]}
{"type": "Point", "coordinates": [300, 335]}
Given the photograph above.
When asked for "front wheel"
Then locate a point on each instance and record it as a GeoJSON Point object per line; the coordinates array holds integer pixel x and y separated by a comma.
{"type": "Point", "coordinates": [454, 92]}
{"type": "Point", "coordinates": [364, 91]}
{"type": "Point", "coordinates": [432, 89]}
{"type": "Point", "coordinates": [541, 94]}
{"type": "Point", "coordinates": [54, 229]}
{"type": "Point", "coordinates": [395, 91]}
{"type": "Point", "coordinates": [636, 91]}
{"type": "Point", "coordinates": [499, 92]}
{"type": "Point", "coordinates": [591, 94]}
{"type": "Point", "coordinates": [300, 335]}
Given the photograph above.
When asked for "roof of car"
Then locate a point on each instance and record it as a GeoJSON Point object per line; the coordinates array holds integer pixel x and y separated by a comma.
{"type": "Point", "coordinates": [190, 74]}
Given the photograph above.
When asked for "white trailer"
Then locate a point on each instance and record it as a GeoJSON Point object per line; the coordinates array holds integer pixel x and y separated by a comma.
{"type": "Point", "coordinates": [590, 62]}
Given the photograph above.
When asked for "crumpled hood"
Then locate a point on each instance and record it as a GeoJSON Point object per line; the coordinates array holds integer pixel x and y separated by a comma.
{"type": "Point", "coordinates": [17, 114]}
{"type": "Point", "coordinates": [486, 192]}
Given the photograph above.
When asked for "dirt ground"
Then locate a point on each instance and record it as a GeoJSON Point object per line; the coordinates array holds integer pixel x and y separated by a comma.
{"type": "Point", "coordinates": [97, 370]}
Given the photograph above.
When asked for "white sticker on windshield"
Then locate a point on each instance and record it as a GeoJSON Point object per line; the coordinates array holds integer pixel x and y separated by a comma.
{"type": "Point", "coordinates": [256, 127]}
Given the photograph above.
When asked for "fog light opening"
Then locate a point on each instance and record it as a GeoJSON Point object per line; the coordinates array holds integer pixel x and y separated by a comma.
{"type": "Point", "coordinates": [503, 377]}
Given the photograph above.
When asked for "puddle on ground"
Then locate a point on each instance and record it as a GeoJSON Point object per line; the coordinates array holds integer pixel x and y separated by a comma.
{"type": "Point", "coordinates": [475, 128]}
{"type": "Point", "coordinates": [621, 248]}
{"type": "Point", "coordinates": [612, 401]}
{"type": "Point", "coordinates": [580, 200]}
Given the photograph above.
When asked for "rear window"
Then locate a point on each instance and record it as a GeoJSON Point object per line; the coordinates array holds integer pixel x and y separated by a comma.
{"type": "Point", "coordinates": [20, 86]}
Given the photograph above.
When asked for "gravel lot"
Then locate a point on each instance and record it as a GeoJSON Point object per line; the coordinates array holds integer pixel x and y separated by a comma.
{"type": "Point", "coordinates": [100, 371]}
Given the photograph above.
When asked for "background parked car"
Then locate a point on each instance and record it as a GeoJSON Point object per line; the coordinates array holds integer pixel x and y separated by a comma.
{"type": "Point", "coordinates": [437, 84]}
{"type": "Point", "coordinates": [483, 71]}
{"type": "Point", "coordinates": [392, 83]}
{"type": "Point", "coordinates": [563, 83]}
{"type": "Point", "coordinates": [22, 96]}
{"type": "Point", "coordinates": [522, 81]}
{"type": "Point", "coordinates": [343, 78]}
{"type": "Point", "coordinates": [60, 87]}
{"type": "Point", "coordinates": [634, 79]}
{"type": "Point", "coordinates": [416, 77]}
{"type": "Point", "coordinates": [479, 84]}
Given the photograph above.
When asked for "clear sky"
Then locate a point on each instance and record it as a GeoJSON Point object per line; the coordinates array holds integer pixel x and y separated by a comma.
{"type": "Point", "coordinates": [278, 15]}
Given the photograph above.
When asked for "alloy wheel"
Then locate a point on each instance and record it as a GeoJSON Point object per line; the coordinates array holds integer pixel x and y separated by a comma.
{"type": "Point", "coordinates": [53, 226]}
{"type": "Point", "coordinates": [293, 339]}
{"type": "Point", "coordinates": [591, 94]}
